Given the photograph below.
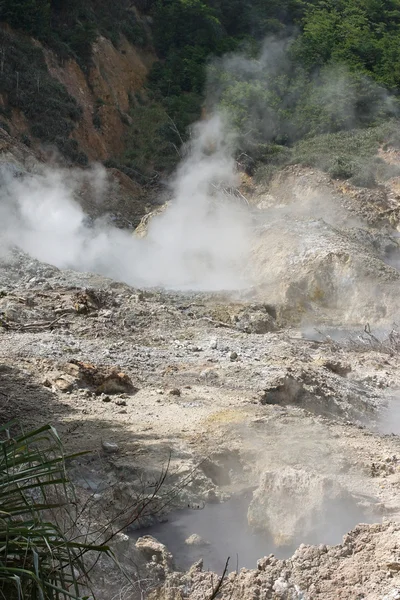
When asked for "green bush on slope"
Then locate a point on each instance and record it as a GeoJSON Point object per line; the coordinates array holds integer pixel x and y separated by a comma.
{"type": "Point", "coordinates": [28, 86]}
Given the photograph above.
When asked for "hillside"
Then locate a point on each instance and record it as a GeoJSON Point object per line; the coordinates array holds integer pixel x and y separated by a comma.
{"type": "Point", "coordinates": [121, 83]}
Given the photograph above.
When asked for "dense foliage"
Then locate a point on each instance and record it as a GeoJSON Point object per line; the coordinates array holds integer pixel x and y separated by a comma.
{"type": "Point", "coordinates": [364, 36]}
{"type": "Point", "coordinates": [330, 67]}
{"type": "Point", "coordinates": [51, 111]}
{"type": "Point", "coordinates": [71, 26]}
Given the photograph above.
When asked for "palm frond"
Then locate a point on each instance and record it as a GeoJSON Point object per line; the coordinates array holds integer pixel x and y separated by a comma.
{"type": "Point", "coordinates": [37, 560]}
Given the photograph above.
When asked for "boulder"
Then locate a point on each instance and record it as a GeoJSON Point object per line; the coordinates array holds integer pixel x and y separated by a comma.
{"type": "Point", "coordinates": [103, 380]}
{"type": "Point", "coordinates": [154, 551]}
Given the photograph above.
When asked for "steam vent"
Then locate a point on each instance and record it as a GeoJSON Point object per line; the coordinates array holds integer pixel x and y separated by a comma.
{"type": "Point", "coordinates": [199, 300]}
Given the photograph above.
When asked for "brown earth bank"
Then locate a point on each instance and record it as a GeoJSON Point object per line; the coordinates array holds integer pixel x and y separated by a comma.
{"type": "Point", "coordinates": [114, 77]}
{"type": "Point", "coordinates": [103, 92]}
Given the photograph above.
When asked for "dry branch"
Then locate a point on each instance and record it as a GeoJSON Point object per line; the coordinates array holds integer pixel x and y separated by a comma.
{"type": "Point", "coordinates": [221, 580]}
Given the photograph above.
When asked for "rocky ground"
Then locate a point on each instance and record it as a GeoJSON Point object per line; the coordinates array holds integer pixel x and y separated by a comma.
{"type": "Point", "coordinates": [276, 391]}
{"type": "Point", "coordinates": [219, 389]}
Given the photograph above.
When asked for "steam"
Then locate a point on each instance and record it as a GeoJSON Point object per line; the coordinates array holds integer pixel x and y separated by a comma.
{"type": "Point", "coordinates": [271, 98]}
{"type": "Point", "coordinates": [204, 240]}
{"type": "Point", "coordinates": [389, 417]}
{"type": "Point", "coordinates": [200, 242]}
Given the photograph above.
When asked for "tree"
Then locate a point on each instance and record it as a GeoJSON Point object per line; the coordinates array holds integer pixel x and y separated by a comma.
{"type": "Point", "coordinates": [33, 16]}
{"type": "Point", "coordinates": [361, 34]}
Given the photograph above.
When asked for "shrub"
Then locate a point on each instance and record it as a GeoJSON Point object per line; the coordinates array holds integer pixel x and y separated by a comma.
{"type": "Point", "coordinates": [52, 112]}
{"type": "Point", "coordinates": [70, 149]}
{"type": "Point", "coordinates": [264, 173]}
{"type": "Point", "coordinates": [153, 140]}
{"type": "Point", "coordinates": [347, 155]}
{"type": "Point", "coordinates": [76, 25]}
{"type": "Point", "coordinates": [37, 558]}
{"type": "Point", "coordinates": [33, 16]}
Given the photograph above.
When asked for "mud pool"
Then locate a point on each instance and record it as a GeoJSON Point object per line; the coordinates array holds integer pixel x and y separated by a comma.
{"type": "Point", "coordinates": [226, 534]}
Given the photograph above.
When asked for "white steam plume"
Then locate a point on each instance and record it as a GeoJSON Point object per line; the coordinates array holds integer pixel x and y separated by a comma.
{"type": "Point", "coordinates": [200, 242]}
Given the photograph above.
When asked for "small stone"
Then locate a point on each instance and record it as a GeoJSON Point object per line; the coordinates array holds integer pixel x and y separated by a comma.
{"type": "Point", "coordinates": [110, 447]}
{"type": "Point", "coordinates": [213, 344]}
{"type": "Point", "coordinates": [209, 375]}
{"type": "Point", "coordinates": [121, 403]}
{"type": "Point", "coordinates": [233, 356]}
{"type": "Point", "coordinates": [175, 392]}
{"type": "Point", "coordinates": [64, 385]}
{"type": "Point", "coordinates": [196, 540]}
{"type": "Point", "coordinates": [106, 398]}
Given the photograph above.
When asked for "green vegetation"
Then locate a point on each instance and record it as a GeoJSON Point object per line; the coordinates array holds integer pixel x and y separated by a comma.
{"type": "Point", "coordinates": [329, 69]}
{"type": "Point", "coordinates": [333, 75]}
{"type": "Point", "coordinates": [33, 16]}
{"type": "Point", "coordinates": [344, 155]}
{"type": "Point", "coordinates": [24, 78]}
{"type": "Point", "coordinates": [71, 26]}
{"type": "Point", "coordinates": [158, 130]}
{"type": "Point", "coordinates": [348, 155]}
{"type": "Point", "coordinates": [38, 558]}
{"type": "Point", "coordinates": [153, 144]}
{"type": "Point", "coordinates": [75, 25]}
{"type": "Point", "coordinates": [363, 35]}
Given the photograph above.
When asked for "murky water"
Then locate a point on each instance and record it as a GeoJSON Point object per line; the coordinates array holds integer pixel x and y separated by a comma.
{"type": "Point", "coordinates": [224, 526]}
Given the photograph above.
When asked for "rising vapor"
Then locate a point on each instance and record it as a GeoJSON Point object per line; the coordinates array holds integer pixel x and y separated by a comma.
{"type": "Point", "coordinates": [200, 242]}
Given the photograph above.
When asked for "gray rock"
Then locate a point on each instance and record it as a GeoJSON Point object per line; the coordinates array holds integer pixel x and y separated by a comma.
{"type": "Point", "coordinates": [110, 447]}
{"type": "Point", "coordinates": [175, 392]}
{"type": "Point", "coordinates": [196, 540]}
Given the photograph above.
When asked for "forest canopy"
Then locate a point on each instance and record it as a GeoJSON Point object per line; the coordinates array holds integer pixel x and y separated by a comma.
{"type": "Point", "coordinates": [337, 63]}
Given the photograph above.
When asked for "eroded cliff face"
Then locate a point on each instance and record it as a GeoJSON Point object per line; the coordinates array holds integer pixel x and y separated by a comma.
{"type": "Point", "coordinates": [104, 93]}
